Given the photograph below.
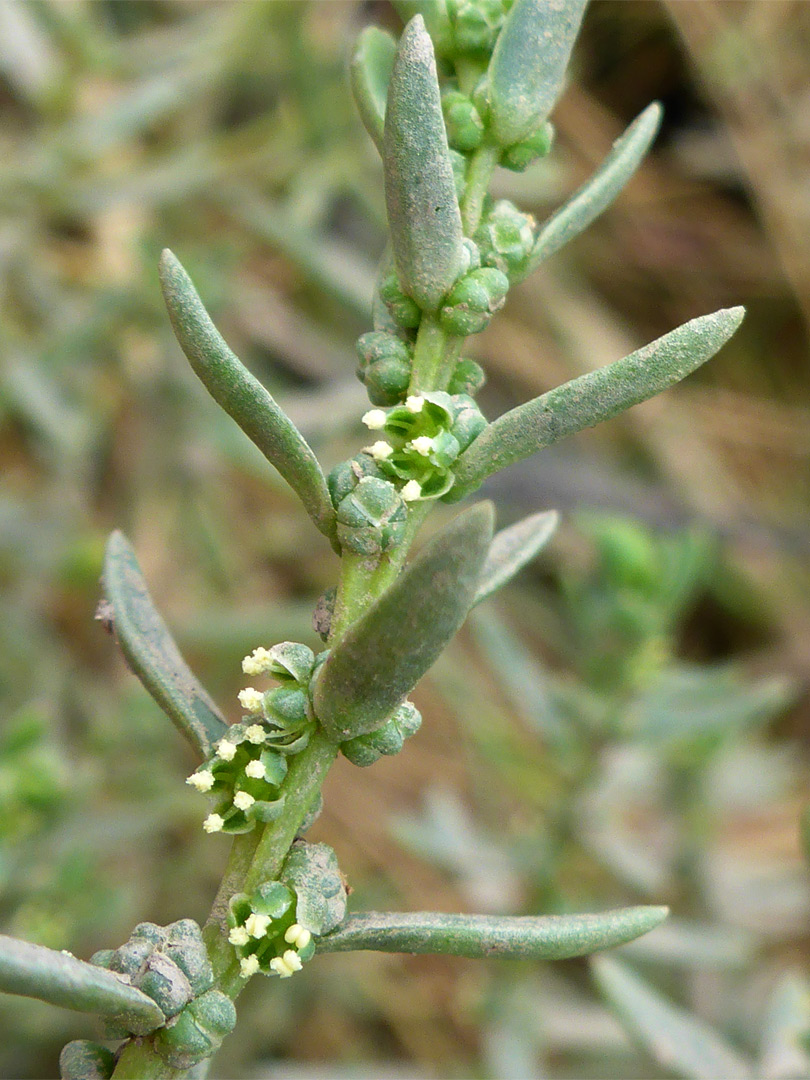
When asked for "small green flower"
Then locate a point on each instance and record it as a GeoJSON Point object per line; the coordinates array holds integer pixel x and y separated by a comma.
{"type": "Point", "coordinates": [506, 238]}
{"type": "Point", "coordinates": [475, 24]}
{"type": "Point", "coordinates": [473, 301]}
{"type": "Point", "coordinates": [371, 519]}
{"type": "Point", "coordinates": [520, 155]}
{"type": "Point", "coordinates": [465, 129]}
{"type": "Point", "coordinates": [404, 310]}
{"type": "Point", "coordinates": [468, 378]}
{"type": "Point", "coordinates": [364, 750]}
{"type": "Point", "coordinates": [385, 366]}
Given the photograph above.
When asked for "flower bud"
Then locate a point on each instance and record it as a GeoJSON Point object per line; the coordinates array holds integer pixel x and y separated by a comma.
{"type": "Point", "coordinates": [364, 750]}
{"type": "Point", "coordinates": [473, 301]}
{"type": "Point", "coordinates": [520, 155]}
{"type": "Point", "coordinates": [476, 24]}
{"type": "Point", "coordinates": [468, 377]}
{"type": "Point", "coordinates": [196, 1032]}
{"type": "Point", "coordinates": [404, 311]}
{"type": "Point", "coordinates": [465, 129]}
{"type": "Point", "coordinates": [85, 1060]}
{"type": "Point", "coordinates": [345, 476]}
{"type": "Point", "coordinates": [385, 366]}
{"type": "Point", "coordinates": [286, 707]}
{"type": "Point", "coordinates": [506, 238]}
{"type": "Point", "coordinates": [372, 518]}
{"type": "Point", "coordinates": [468, 421]}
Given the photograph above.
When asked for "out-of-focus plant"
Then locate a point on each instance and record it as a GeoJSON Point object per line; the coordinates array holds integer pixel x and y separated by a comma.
{"type": "Point", "coordinates": [469, 86]}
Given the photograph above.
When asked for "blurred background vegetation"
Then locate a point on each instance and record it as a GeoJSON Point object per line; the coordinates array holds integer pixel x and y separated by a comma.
{"type": "Point", "coordinates": [627, 723]}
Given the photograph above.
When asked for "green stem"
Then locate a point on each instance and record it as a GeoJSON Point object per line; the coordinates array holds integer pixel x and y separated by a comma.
{"type": "Point", "coordinates": [139, 1061]}
{"type": "Point", "coordinates": [428, 355]}
{"type": "Point", "coordinates": [215, 931]}
{"type": "Point", "coordinates": [479, 173]}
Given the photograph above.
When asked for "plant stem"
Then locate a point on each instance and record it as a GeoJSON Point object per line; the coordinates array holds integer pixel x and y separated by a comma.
{"type": "Point", "coordinates": [215, 930]}
{"type": "Point", "coordinates": [479, 173]}
{"type": "Point", "coordinates": [139, 1061]}
{"type": "Point", "coordinates": [428, 355]}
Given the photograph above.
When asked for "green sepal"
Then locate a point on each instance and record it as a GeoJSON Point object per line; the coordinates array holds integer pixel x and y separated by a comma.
{"type": "Point", "coordinates": [239, 909]}
{"type": "Point", "coordinates": [592, 398]}
{"type": "Point", "coordinates": [389, 739]}
{"type": "Point", "coordinates": [528, 65]}
{"type": "Point", "coordinates": [312, 872]}
{"type": "Point", "coordinates": [420, 190]}
{"type": "Point", "coordinates": [680, 1043]}
{"type": "Point", "coordinates": [370, 70]}
{"type": "Point", "coordinates": [291, 662]}
{"type": "Point", "coordinates": [512, 548]}
{"type": "Point", "coordinates": [599, 191]}
{"type": "Point", "coordinates": [264, 810]}
{"type": "Point", "coordinates": [197, 1032]}
{"type": "Point", "coordinates": [60, 979]}
{"type": "Point", "coordinates": [150, 650]}
{"type": "Point", "coordinates": [272, 898]}
{"type": "Point", "coordinates": [85, 1060]}
{"type": "Point", "coordinates": [275, 766]}
{"type": "Point", "coordinates": [548, 937]}
{"type": "Point", "coordinates": [242, 396]}
{"type": "Point", "coordinates": [389, 648]}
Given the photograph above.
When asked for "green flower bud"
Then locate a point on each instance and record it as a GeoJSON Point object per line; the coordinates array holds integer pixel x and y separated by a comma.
{"type": "Point", "coordinates": [85, 1060]}
{"type": "Point", "coordinates": [185, 947]}
{"type": "Point", "coordinates": [465, 129]}
{"type": "Point", "coordinates": [520, 155]}
{"type": "Point", "coordinates": [471, 255]}
{"type": "Point", "coordinates": [506, 238]}
{"type": "Point", "coordinates": [197, 1032]}
{"type": "Point", "coordinates": [473, 301]}
{"type": "Point", "coordinates": [387, 381]}
{"type": "Point", "coordinates": [364, 750]}
{"type": "Point", "coordinates": [372, 518]}
{"type": "Point", "coordinates": [345, 477]}
{"type": "Point", "coordinates": [378, 345]}
{"type": "Point", "coordinates": [165, 983]}
{"type": "Point", "coordinates": [404, 311]}
{"type": "Point", "coordinates": [476, 23]}
{"type": "Point", "coordinates": [468, 421]}
{"type": "Point", "coordinates": [286, 706]}
{"type": "Point", "coordinates": [468, 377]}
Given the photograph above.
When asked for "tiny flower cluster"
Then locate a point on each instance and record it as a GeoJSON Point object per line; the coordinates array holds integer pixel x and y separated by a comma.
{"type": "Point", "coordinates": [365, 749]}
{"type": "Point", "coordinates": [265, 934]}
{"type": "Point", "coordinates": [245, 772]}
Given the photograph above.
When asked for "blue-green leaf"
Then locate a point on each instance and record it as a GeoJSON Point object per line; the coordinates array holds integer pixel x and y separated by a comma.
{"type": "Point", "coordinates": [151, 652]}
{"type": "Point", "coordinates": [61, 979]}
{"type": "Point", "coordinates": [674, 1038]}
{"type": "Point", "coordinates": [528, 65]}
{"type": "Point", "coordinates": [389, 648]}
{"type": "Point", "coordinates": [242, 396]}
{"type": "Point", "coordinates": [594, 397]}
{"type": "Point", "coordinates": [599, 191]}
{"type": "Point", "coordinates": [420, 191]}
{"type": "Point", "coordinates": [371, 67]}
{"type": "Point", "coordinates": [512, 548]}
{"type": "Point", "coordinates": [549, 937]}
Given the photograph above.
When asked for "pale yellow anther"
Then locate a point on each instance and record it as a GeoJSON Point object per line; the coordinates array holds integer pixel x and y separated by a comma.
{"type": "Point", "coordinates": [251, 700]}
{"type": "Point", "coordinates": [255, 734]}
{"type": "Point", "coordinates": [374, 419]}
{"type": "Point", "coordinates": [292, 960]}
{"type": "Point", "coordinates": [298, 936]}
{"type": "Point", "coordinates": [248, 965]}
{"type": "Point", "coordinates": [380, 450]}
{"type": "Point", "coordinates": [280, 968]}
{"type": "Point", "coordinates": [259, 662]}
{"type": "Point", "coordinates": [238, 936]}
{"type": "Point", "coordinates": [411, 491]}
{"type": "Point", "coordinates": [202, 780]}
{"type": "Point", "coordinates": [423, 445]}
{"type": "Point", "coordinates": [213, 823]}
{"type": "Point", "coordinates": [226, 750]}
{"type": "Point", "coordinates": [414, 403]}
{"type": "Point", "coordinates": [256, 925]}
{"type": "Point", "coordinates": [255, 770]}
{"type": "Point", "coordinates": [242, 800]}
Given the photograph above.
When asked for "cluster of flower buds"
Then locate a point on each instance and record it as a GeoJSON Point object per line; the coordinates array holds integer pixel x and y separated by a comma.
{"type": "Point", "coordinates": [385, 366]}
{"type": "Point", "coordinates": [506, 238]}
{"type": "Point", "coordinates": [465, 128]}
{"type": "Point", "coordinates": [470, 27]}
{"type": "Point", "coordinates": [473, 301]}
{"type": "Point", "coordinates": [404, 310]}
{"type": "Point", "coordinates": [265, 934]}
{"type": "Point", "coordinates": [170, 964]}
{"type": "Point", "coordinates": [520, 155]}
{"type": "Point", "coordinates": [424, 438]}
{"type": "Point", "coordinates": [245, 772]}
{"type": "Point", "coordinates": [366, 749]}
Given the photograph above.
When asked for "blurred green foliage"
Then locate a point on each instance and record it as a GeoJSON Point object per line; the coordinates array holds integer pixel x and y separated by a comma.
{"type": "Point", "coordinates": [621, 714]}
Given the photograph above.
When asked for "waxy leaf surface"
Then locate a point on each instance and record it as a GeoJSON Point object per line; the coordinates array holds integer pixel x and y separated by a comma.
{"type": "Point", "coordinates": [512, 548]}
{"type": "Point", "coordinates": [385, 653]}
{"type": "Point", "coordinates": [242, 396]}
{"type": "Point", "coordinates": [61, 979]}
{"type": "Point", "coordinates": [594, 397]}
{"type": "Point", "coordinates": [550, 937]}
{"type": "Point", "coordinates": [371, 67]}
{"type": "Point", "coordinates": [151, 652]}
{"type": "Point", "coordinates": [528, 65]}
{"type": "Point", "coordinates": [420, 191]}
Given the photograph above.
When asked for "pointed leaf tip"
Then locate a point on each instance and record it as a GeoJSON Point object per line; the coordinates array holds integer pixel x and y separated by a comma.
{"type": "Point", "coordinates": [386, 652]}
{"type": "Point", "coordinates": [512, 548]}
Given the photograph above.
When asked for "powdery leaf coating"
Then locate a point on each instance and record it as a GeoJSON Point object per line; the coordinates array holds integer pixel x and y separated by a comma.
{"type": "Point", "coordinates": [594, 397]}
{"type": "Point", "coordinates": [151, 652]}
{"type": "Point", "coordinates": [312, 872]}
{"type": "Point", "coordinates": [420, 191]}
{"type": "Point", "coordinates": [512, 548]}
{"type": "Point", "coordinates": [528, 65]}
{"type": "Point", "coordinates": [548, 937]}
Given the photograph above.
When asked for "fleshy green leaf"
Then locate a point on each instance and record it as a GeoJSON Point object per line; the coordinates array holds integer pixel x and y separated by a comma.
{"type": "Point", "coordinates": [600, 190]}
{"type": "Point", "coordinates": [420, 191]}
{"type": "Point", "coordinates": [594, 397]}
{"type": "Point", "coordinates": [550, 937]}
{"type": "Point", "coordinates": [512, 548]}
{"type": "Point", "coordinates": [242, 396]}
{"type": "Point", "coordinates": [528, 65]}
{"type": "Point", "coordinates": [371, 67]}
{"type": "Point", "coordinates": [151, 652]}
{"type": "Point", "coordinates": [678, 1041]}
{"type": "Point", "coordinates": [312, 871]}
{"type": "Point", "coordinates": [386, 652]}
{"type": "Point", "coordinates": [61, 979]}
